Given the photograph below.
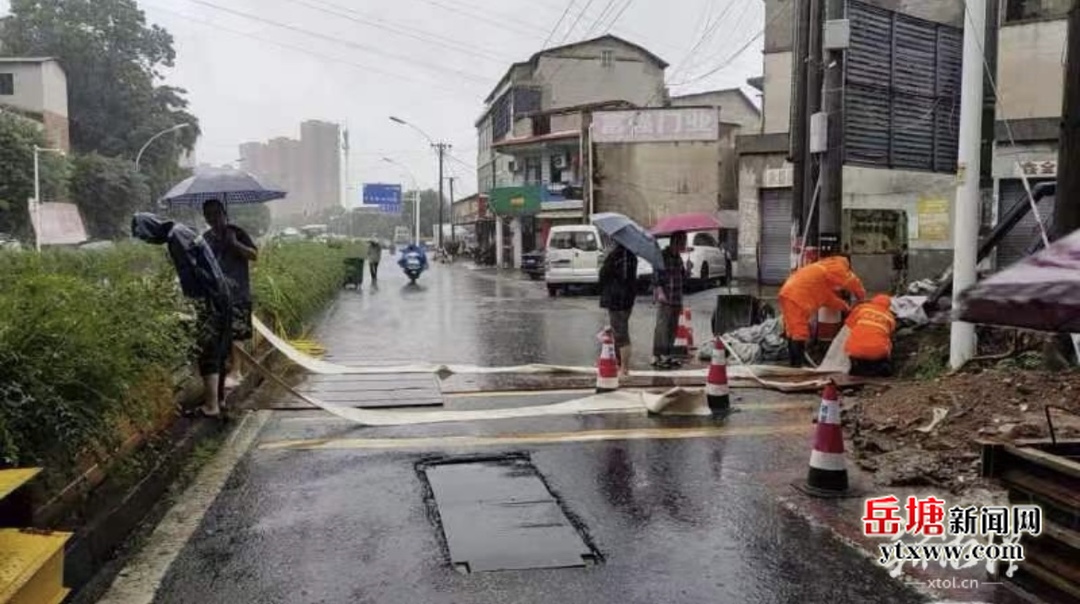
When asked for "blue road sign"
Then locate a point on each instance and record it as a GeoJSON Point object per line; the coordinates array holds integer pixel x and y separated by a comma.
{"type": "Point", "coordinates": [386, 197]}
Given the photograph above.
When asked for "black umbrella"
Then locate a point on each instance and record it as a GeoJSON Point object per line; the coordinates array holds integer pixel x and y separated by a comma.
{"type": "Point", "coordinates": [230, 186]}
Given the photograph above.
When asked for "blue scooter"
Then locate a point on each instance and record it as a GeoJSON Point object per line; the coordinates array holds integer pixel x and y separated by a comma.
{"type": "Point", "coordinates": [413, 261]}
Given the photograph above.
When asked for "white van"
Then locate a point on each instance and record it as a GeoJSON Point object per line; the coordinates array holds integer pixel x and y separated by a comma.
{"type": "Point", "coordinates": [574, 255]}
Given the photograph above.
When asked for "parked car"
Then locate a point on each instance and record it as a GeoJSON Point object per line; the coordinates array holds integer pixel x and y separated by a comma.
{"type": "Point", "coordinates": [574, 255]}
{"type": "Point", "coordinates": [533, 264]}
{"type": "Point", "coordinates": [706, 262]}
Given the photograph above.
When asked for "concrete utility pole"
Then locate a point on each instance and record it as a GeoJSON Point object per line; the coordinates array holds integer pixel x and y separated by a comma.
{"type": "Point", "coordinates": [453, 233]}
{"type": "Point", "coordinates": [812, 168]}
{"type": "Point", "coordinates": [441, 148]}
{"type": "Point", "coordinates": [832, 169]}
{"type": "Point", "coordinates": [966, 222]}
{"type": "Point", "coordinates": [1067, 208]}
{"type": "Point", "coordinates": [798, 146]}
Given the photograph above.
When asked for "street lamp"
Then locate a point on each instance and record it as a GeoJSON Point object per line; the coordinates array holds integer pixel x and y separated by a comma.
{"type": "Point", "coordinates": [441, 149]}
{"type": "Point", "coordinates": [416, 194]}
{"type": "Point", "coordinates": [175, 128]}
{"type": "Point", "coordinates": [37, 191]}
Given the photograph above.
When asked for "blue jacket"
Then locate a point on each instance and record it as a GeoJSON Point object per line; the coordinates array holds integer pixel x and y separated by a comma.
{"type": "Point", "coordinates": [410, 249]}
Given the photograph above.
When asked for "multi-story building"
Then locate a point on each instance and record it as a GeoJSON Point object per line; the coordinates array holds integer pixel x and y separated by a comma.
{"type": "Point", "coordinates": [532, 129]}
{"type": "Point", "coordinates": [901, 106]}
{"type": "Point", "coordinates": [309, 169]}
{"type": "Point", "coordinates": [37, 88]}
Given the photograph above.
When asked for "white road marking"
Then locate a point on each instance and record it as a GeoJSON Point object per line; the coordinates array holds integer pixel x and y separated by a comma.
{"type": "Point", "coordinates": [141, 578]}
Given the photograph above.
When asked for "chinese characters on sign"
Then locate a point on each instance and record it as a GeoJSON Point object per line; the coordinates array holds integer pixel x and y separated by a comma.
{"type": "Point", "coordinates": [1041, 169]}
{"type": "Point", "coordinates": [951, 535]}
{"type": "Point", "coordinates": [386, 197]}
{"type": "Point", "coordinates": [933, 220]}
{"type": "Point", "coordinates": [656, 125]}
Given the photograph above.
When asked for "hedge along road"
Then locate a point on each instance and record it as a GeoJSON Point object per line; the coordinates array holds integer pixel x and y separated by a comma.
{"type": "Point", "coordinates": [305, 507]}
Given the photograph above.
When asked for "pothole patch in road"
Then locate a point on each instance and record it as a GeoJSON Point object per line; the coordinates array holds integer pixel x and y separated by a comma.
{"type": "Point", "coordinates": [498, 513]}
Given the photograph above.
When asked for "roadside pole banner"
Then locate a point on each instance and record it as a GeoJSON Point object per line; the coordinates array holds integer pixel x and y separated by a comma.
{"type": "Point", "coordinates": [835, 362]}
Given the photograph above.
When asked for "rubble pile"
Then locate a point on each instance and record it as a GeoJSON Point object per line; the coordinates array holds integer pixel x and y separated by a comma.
{"type": "Point", "coordinates": [926, 433]}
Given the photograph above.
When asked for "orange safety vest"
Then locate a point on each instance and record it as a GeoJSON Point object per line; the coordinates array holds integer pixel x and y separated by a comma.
{"type": "Point", "coordinates": [871, 333]}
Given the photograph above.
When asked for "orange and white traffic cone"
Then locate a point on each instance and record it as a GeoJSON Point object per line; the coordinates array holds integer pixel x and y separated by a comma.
{"type": "Point", "coordinates": [717, 394]}
{"type": "Point", "coordinates": [828, 324]}
{"type": "Point", "coordinates": [828, 475]}
{"type": "Point", "coordinates": [607, 366]}
{"type": "Point", "coordinates": [688, 320]}
{"type": "Point", "coordinates": [682, 337]}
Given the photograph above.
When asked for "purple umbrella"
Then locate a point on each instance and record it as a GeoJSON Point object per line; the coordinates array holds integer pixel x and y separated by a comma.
{"type": "Point", "coordinates": [1041, 292]}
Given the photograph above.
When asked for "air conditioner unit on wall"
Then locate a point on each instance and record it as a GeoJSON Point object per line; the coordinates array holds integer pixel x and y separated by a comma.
{"type": "Point", "coordinates": [561, 161]}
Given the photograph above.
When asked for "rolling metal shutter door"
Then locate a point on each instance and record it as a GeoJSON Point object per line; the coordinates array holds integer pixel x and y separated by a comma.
{"type": "Point", "coordinates": [1025, 236]}
{"type": "Point", "coordinates": [775, 235]}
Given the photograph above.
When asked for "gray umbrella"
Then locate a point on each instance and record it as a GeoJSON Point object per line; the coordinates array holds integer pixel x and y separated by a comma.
{"type": "Point", "coordinates": [630, 235]}
{"type": "Point", "coordinates": [230, 186]}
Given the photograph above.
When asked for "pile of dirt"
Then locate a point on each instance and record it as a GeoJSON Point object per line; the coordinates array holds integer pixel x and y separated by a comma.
{"type": "Point", "coordinates": [926, 433]}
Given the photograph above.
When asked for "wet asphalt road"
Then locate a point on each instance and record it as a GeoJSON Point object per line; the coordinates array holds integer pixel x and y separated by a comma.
{"type": "Point", "coordinates": [319, 511]}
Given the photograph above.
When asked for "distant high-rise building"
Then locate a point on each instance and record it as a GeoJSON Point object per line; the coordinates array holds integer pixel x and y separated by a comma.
{"type": "Point", "coordinates": [309, 169]}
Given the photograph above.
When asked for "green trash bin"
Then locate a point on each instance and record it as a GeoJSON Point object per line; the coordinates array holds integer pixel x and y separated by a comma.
{"type": "Point", "coordinates": [354, 272]}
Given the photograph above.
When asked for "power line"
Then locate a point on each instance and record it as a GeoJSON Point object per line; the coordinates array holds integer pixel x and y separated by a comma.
{"type": "Point", "coordinates": [727, 63]}
{"type": "Point", "coordinates": [356, 17]}
{"type": "Point", "coordinates": [600, 19]}
{"type": "Point", "coordinates": [711, 27]}
{"type": "Point", "coordinates": [574, 25]}
{"type": "Point", "coordinates": [367, 68]}
{"type": "Point", "coordinates": [349, 43]}
{"type": "Point", "coordinates": [505, 24]}
{"type": "Point", "coordinates": [555, 27]}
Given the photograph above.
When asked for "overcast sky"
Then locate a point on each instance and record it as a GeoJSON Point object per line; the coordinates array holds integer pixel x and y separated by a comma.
{"type": "Point", "coordinates": [254, 69]}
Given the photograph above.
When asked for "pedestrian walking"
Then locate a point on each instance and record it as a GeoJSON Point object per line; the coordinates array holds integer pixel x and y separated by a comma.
{"type": "Point", "coordinates": [668, 288]}
{"type": "Point", "coordinates": [374, 255]}
{"type": "Point", "coordinates": [618, 290]}
{"type": "Point", "coordinates": [234, 250]}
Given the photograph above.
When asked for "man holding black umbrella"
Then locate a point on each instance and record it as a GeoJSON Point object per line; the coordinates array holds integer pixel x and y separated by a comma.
{"type": "Point", "coordinates": [618, 289]}
{"type": "Point", "coordinates": [234, 250]}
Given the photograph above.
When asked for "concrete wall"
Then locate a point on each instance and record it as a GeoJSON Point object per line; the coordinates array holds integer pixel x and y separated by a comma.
{"type": "Point", "coordinates": [648, 180]}
{"type": "Point", "coordinates": [752, 170]}
{"type": "Point", "coordinates": [776, 104]}
{"type": "Point", "coordinates": [40, 88]}
{"type": "Point", "coordinates": [576, 77]}
{"type": "Point", "coordinates": [54, 88]}
{"type": "Point", "coordinates": [1031, 76]}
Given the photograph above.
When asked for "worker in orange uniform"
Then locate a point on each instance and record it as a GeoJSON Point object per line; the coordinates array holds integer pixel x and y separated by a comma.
{"type": "Point", "coordinates": [869, 345]}
{"type": "Point", "coordinates": [810, 288]}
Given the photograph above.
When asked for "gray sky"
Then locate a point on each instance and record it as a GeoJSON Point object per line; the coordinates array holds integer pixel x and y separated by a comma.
{"type": "Point", "coordinates": [430, 62]}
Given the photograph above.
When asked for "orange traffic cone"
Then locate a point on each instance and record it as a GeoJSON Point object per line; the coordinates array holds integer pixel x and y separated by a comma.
{"type": "Point", "coordinates": [717, 394]}
{"type": "Point", "coordinates": [688, 320]}
{"type": "Point", "coordinates": [682, 337]}
{"type": "Point", "coordinates": [607, 367]}
{"type": "Point", "coordinates": [828, 475]}
{"type": "Point", "coordinates": [828, 324]}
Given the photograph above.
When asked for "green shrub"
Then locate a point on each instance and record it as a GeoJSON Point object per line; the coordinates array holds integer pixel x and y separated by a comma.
{"type": "Point", "coordinates": [90, 341]}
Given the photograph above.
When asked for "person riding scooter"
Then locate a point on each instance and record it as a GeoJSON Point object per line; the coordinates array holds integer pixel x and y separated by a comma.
{"type": "Point", "coordinates": [413, 261]}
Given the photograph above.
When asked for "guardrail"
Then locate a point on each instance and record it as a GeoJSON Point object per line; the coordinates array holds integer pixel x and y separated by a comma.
{"type": "Point", "coordinates": [1044, 473]}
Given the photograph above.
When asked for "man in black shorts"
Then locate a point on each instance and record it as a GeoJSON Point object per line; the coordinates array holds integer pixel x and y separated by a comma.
{"type": "Point", "coordinates": [618, 280]}
{"type": "Point", "coordinates": [234, 250]}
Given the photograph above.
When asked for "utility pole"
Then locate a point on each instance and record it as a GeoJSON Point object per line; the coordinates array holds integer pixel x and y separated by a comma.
{"type": "Point", "coordinates": [441, 149]}
{"type": "Point", "coordinates": [966, 226]}
{"type": "Point", "coordinates": [453, 234]}
{"type": "Point", "coordinates": [1067, 208]}
{"type": "Point", "coordinates": [832, 170]}
{"type": "Point", "coordinates": [798, 146]}
{"type": "Point", "coordinates": [812, 167]}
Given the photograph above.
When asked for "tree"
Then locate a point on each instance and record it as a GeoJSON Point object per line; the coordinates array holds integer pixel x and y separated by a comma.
{"type": "Point", "coordinates": [18, 135]}
{"type": "Point", "coordinates": [108, 191]}
{"type": "Point", "coordinates": [113, 63]}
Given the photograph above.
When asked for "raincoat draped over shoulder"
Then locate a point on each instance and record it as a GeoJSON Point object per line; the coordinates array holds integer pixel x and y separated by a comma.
{"type": "Point", "coordinates": [198, 270]}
